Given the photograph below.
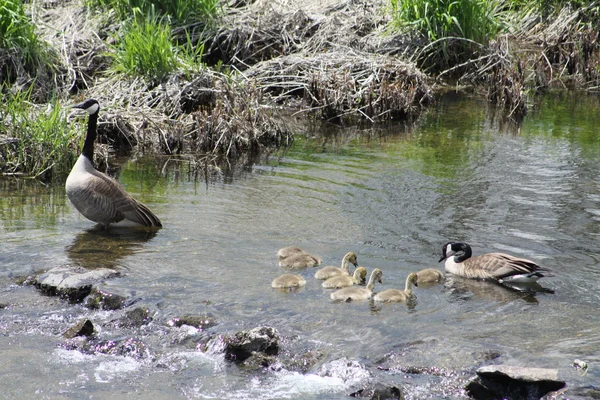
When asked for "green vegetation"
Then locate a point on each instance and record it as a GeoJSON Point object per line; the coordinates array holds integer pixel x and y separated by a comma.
{"type": "Point", "coordinates": [177, 10]}
{"type": "Point", "coordinates": [18, 33]}
{"type": "Point", "coordinates": [147, 50]}
{"type": "Point", "coordinates": [457, 25]}
{"type": "Point", "coordinates": [41, 141]}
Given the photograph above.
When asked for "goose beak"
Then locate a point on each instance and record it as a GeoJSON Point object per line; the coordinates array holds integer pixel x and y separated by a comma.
{"type": "Point", "coordinates": [443, 258]}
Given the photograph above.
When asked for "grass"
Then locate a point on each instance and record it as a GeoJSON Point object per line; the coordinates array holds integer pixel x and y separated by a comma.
{"type": "Point", "coordinates": [177, 10]}
{"type": "Point", "coordinates": [147, 50]}
{"type": "Point", "coordinates": [477, 21]}
{"type": "Point", "coordinates": [42, 142]}
{"type": "Point", "coordinates": [18, 33]}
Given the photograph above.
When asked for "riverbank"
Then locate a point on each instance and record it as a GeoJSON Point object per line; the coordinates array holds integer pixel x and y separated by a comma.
{"type": "Point", "coordinates": [336, 61]}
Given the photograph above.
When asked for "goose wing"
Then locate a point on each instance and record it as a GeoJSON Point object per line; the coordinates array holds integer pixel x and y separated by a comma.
{"type": "Point", "coordinates": [112, 197]}
{"type": "Point", "coordinates": [498, 266]}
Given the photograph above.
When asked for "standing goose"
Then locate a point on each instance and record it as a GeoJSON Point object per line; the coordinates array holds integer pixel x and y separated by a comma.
{"type": "Point", "coordinates": [398, 295]}
{"type": "Point", "coordinates": [496, 266]}
{"type": "Point", "coordinates": [356, 293]}
{"type": "Point", "coordinates": [328, 272]}
{"type": "Point", "coordinates": [341, 281]}
{"type": "Point", "coordinates": [429, 275]}
{"type": "Point", "coordinates": [94, 194]}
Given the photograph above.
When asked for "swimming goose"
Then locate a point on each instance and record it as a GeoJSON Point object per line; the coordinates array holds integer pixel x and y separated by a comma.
{"type": "Point", "coordinates": [341, 281]}
{"type": "Point", "coordinates": [328, 272]}
{"type": "Point", "coordinates": [94, 194]}
{"type": "Point", "coordinates": [429, 275]}
{"type": "Point", "coordinates": [356, 293]}
{"type": "Point", "coordinates": [496, 266]}
{"type": "Point", "coordinates": [285, 252]}
{"type": "Point", "coordinates": [288, 281]}
{"type": "Point", "coordinates": [390, 295]}
{"type": "Point", "coordinates": [296, 259]}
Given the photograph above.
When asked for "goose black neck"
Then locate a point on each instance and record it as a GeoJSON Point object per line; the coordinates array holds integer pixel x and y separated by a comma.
{"type": "Point", "coordinates": [90, 137]}
{"type": "Point", "coordinates": [466, 253]}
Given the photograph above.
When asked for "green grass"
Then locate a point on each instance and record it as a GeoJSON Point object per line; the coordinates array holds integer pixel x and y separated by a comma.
{"type": "Point", "coordinates": [477, 21]}
{"type": "Point", "coordinates": [177, 10]}
{"type": "Point", "coordinates": [147, 50]}
{"type": "Point", "coordinates": [17, 32]}
{"type": "Point", "coordinates": [44, 143]}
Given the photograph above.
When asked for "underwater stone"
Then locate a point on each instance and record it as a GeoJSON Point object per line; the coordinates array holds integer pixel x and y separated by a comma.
{"type": "Point", "coordinates": [197, 321]}
{"type": "Point", "coordinates": [379, 391]}
{"type": "Point", "coordinates": [72, 282]}
{"type": "Point", "coordinates": [241, 346]}
{"type": "Point", "coordinates": [133, 319]}
{"type": "Point", "coordinates": [512, 382]}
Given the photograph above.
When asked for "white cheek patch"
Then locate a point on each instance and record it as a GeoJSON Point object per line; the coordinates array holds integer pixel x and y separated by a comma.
{"type": "Point", "coordinates": [92, 109]}
{"type": "Point", "coordinates": [449, 250]}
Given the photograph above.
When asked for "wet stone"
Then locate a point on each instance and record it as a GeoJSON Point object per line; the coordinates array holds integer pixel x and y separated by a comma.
{"type": "Point", "coordinates": [82, 328]}
{"type": "Point", "coordinates": [201, 322]}
{"type": "Point", "coordinates": [135, 318]}
{"type": "Point", "coordinates": [380, 391]}
{"type": "Point", "coordinates": [129, 347]}
{"type": "Point", "coordinates": [512, 382]}
{"type": "Point", "coordinates": [243, 344]}
{"type": "Point", "coordinates": [72, 282]}
{"type": "Point", "coordinates": [102, 300]}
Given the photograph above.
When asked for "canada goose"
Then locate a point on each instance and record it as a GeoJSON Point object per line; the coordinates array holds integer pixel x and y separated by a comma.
{"type": "Point", "coordinates": [285, 252]}
{"type": "Point", "coordinates": [390, 295]}
{"type": "Point", "coordinates": [328, 272]}
{"type": "Point", "coordinates": [288, 281]}
{"type": "Point", "coordinates": [356, 293]}
{"type": "Point", "coordinates": [295, 259]}
{"type": "Point", "coordinates": [341, 281]}
{"type": "Point", "coordinates": [429, 275]}
{"type": "Point", "coordinates": [94, 194]}
{"type": "Point", "coordinates": [496, 266]}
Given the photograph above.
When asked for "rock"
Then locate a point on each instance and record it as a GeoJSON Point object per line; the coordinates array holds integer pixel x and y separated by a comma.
{"type": "Point", "coordinates": [512, 382]}
{"type": "Point", "coordinates": [201, 322]}
{"type": "Point", "coordinates": [3, 306]}
{"type": "Point", "coordinates": [133, 319]}
{"type": "Point", "coordinates": [102, 300]}
{"type": "Point", "coordinates": [129, 347]}
{"type": "Point", "coordinates": [72, 282]}
{"type": "Point", "coordinates": [380, 391]}
{"type": "Point", "coordinates": [82, 328]}
{"type": "Point", "coordinates": [241, 346]}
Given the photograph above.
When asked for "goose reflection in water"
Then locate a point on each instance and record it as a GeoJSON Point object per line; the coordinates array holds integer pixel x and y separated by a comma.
{"type": "Point", "coordinates": [464, 289]}
{"type": "Point", "coordinates": [96, 248]}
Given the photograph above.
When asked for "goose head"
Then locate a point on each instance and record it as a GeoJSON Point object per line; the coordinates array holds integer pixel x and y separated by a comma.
{"type": "Point", "coordinates": [91, 106]}
{"type": "Point", "coordinates": [360, 274]}
{"type": "Point", "coordinates": [411, 280]}
{"type": "Point", "coordinates": [349, 258]}
{"type": "Point", "coordinates": [452, 248]}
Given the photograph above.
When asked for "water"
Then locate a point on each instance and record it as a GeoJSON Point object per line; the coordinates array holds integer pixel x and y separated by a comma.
{"type": "Point", "coordinates": [394, 195]}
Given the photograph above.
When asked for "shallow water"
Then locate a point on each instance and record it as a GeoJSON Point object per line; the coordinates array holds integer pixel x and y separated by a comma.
{"type": "Point", "coordinates": [393, 195]}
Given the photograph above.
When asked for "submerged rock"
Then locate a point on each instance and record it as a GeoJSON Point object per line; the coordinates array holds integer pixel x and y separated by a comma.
{"type": "Point", "coordinates": [82, 328]}
{"type": "Point", "coordinates": [241, 346]}
{"type": "Point", "coordinates": [512, 382]}
{"type": "Point", "coordinates": [102, 300]}
{"type": "Point", "coordinates": [72, 282]}
{"type": "Point", "coordinates": [135, 318]}
{"type": "Point", "coordinates": [379, 391]}
{"type": "Point", "coordinates": [197, 321]}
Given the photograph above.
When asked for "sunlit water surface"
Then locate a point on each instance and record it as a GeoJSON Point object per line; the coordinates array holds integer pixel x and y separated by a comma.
{"type": "Point", "coordinates": [393, 195]}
